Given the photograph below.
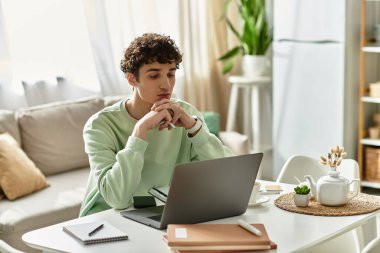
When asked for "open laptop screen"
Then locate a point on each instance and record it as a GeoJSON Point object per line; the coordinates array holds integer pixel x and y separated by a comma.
{"type": "Point", "coordinates": [205, 190]}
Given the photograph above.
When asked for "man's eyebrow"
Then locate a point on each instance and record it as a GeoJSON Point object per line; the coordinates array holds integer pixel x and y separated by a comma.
{"type": "Point", "coordinates": [153, 69]}
{"type": "Point", "coordinates": [158, 70]}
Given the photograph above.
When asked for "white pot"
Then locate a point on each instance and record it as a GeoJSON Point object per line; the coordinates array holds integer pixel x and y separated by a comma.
{"type": "Point", "coordinates": [255, 65]}
{"type": "Point", "coordinates": [301, 200]}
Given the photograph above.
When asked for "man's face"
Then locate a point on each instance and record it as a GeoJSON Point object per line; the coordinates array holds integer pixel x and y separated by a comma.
{"type": "Point", "coordinates": [156, 81]}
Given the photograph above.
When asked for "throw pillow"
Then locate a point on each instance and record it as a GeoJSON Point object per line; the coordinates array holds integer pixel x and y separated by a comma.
{"type": "Point", "coordinates": [212, 120]}
{"type": "Point", "coordinates": [18, 174]}
{"type": "Point", "coordinates": [237, 142]}
{"type": "Point", "coordinates": [52, 134]}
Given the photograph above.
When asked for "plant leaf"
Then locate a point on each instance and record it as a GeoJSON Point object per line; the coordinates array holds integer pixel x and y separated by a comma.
{"type": "Point", "coordinates": [228, 67]}
{"type": "Point", "coordinates": [233, 52]}
{"type": "Point", "coordinates": [231, 26]}
{"type": "Point", "coordinates": [223, 14]}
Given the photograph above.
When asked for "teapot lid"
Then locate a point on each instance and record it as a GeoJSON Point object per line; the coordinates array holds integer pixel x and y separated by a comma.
{"type": "Point", "coordinates": [333, 176]}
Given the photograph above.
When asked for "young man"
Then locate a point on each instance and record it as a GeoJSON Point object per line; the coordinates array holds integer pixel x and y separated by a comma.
{"type": "Point", "coordinates": [135, 144]}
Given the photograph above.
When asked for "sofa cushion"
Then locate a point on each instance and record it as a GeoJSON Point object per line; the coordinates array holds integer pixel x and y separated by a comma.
{"type": "Point", "coordinates": [238, 143]}
{"type": "Point", "coordinates": [110, 100]}
{"type": "Point", "coordinates": [52, 134]}
{"type": "Point", "coordinates": [59, 202]}
{"type": "Point", "coordinates": [8, 124]}
{"type": "Point", "coordinates": [212, 120]}
{"type": "Point", "coordinates": [18, 174]}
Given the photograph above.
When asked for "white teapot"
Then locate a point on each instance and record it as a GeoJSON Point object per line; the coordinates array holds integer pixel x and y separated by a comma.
{"type": "Point", "coordinates": [332, 190]}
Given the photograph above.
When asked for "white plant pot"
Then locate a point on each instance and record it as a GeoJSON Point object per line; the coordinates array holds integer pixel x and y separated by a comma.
{"type": "Point", "coordinates": [255, 65]}
{"type": "Point", "coordinates": [301, 200]}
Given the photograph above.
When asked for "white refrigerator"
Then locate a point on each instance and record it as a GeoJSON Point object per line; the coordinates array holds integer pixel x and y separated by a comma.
{"type": "Point", "coordinates": [315, 73]}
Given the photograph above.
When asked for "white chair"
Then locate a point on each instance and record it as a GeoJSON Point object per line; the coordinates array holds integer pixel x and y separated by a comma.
{"type": "Point", "coordinates": [372, 247]}
{"type": "Point", "coordinates": [299, 166]}
{"type": "Point", "coordinates": [6, 248]}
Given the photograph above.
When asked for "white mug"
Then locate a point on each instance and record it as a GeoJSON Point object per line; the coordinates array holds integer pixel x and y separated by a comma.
{"type": "Point", "coordinates": [255, 193]}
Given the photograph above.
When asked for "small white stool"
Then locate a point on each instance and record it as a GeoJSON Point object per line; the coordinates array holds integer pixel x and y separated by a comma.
{"type": "Point", "coordinates": [257, 112]}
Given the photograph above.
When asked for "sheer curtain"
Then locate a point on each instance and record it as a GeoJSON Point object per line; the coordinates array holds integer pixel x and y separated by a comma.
{"type": "Point", "coordinates": [109, 78]}
{"type": "Point", "coordinates": [9, 99]}
{"type": "Point", "coordinates": [46, 39]}
{"type": "Point", "coordinates": [204, 39]}
{"type": "Point", "coordinates": [113, 24]}
{"type": "Point", "coordinates": [84, 41]}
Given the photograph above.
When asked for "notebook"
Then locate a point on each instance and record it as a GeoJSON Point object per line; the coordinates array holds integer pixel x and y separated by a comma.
{"type": "Point", "coordinates": [107, 233]}
{"type": "Point", "coordinates": [204, 191]}
{"type": "Point", "coordinates": [216, 237]}
{"type": "Point", "coordinates": [165, 239]}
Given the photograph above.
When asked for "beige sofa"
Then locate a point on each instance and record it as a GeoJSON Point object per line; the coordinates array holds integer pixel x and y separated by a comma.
{"type": "Point", "coordinates": [51, 136]}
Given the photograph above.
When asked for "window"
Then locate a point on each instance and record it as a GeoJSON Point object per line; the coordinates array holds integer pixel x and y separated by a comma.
{"type": "Point", "coordinates": [49, 38]}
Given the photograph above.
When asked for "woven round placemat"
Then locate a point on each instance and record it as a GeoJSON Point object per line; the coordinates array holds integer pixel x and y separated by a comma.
{"type": "Point", "coordinates": [361, 204]}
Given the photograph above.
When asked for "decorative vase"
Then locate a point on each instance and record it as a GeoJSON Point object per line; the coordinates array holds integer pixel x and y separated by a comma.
{"type": "Point", "coordinates": [255, 65]}
{"type": "Point", "coordinates": [301, 200]}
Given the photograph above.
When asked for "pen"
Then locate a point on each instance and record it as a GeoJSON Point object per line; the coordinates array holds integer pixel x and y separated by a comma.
{"type": "Point", "coordinates": [170, 124]}
{"type": "Point", "coordinates": [249, 228]}
{"type": "Point", "coordinates": [96, 230]}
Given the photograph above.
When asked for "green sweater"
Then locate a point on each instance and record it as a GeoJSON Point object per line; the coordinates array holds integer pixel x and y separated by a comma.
{"type": "Point", "coordinates": [123, 166]}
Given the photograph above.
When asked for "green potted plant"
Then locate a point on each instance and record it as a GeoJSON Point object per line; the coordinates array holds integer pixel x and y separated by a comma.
{"type": "Point", "coordinates": [302, 196]}
{"type": "Point", "coordinates": [255, 37]}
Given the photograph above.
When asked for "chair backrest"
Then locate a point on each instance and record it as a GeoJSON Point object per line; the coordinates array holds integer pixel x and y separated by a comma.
{"type": "Point", "coordinates": [373, 246]}
{"type": "Point", "coordinates": [349, 168]}
{"type": "Point", "coordinates": [300, 165]}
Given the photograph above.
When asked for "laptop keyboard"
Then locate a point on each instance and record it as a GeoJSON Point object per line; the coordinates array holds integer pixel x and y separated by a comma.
{"type": "Point", "coordinates": [156, 217]}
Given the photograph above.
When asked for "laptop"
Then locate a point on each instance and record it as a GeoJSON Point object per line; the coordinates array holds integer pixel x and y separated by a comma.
{"type": "Point", "coordinates": [204, 191]}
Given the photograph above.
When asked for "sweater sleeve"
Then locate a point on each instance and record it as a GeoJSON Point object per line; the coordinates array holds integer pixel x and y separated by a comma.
{"type": "Point", "coordinates": [205, 145]}
{"type": "Point", "coordinates": [117, 174]}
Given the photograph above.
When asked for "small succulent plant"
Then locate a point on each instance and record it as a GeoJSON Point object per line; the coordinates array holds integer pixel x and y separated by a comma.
{"type": "Point", "coordinates": [334, 157]}
{"type": "Point", "coordinates": [303, 190]}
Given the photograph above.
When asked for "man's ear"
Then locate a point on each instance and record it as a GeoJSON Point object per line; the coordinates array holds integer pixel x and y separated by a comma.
{"type": "Point", "coordinates": [131, 79]}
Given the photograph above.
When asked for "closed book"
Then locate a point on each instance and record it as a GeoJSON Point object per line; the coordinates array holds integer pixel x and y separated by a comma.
{"type": "Point", "coordinates": [165, 239]}
{"type": "Point", "coordinates": [107, 232]}
{"type": "Point", "coordinates": [216, 237]}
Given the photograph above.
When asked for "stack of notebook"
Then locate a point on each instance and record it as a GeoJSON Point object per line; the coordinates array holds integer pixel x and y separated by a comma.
{"type": "Point", "coordinates": [216, 237]}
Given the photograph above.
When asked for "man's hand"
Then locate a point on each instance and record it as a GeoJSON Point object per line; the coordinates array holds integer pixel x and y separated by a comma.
{"type": "Point", "coordinates": [180, 117]}
{"type": "Point", "coordinates": [150, 121]}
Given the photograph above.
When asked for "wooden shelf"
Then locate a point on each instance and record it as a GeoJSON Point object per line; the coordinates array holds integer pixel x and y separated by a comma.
{"type": "Point", "coordinates": [370, 184]}
{"type": "Point", "coordinates": [371, 142]}
{"type": "Point", "coordinates": [367, 104]}
{"type": "Point", "coordinates": [368, 99]}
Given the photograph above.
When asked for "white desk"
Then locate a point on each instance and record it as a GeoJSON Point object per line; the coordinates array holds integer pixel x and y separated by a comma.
{"type": "Point", "coordinates": [291, 231]}
{"type": "Point", "coordinates": [257, 109]}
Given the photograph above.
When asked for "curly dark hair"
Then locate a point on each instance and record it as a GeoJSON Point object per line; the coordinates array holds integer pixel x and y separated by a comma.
{"type": "Point", "coordinates": [149, 48]}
